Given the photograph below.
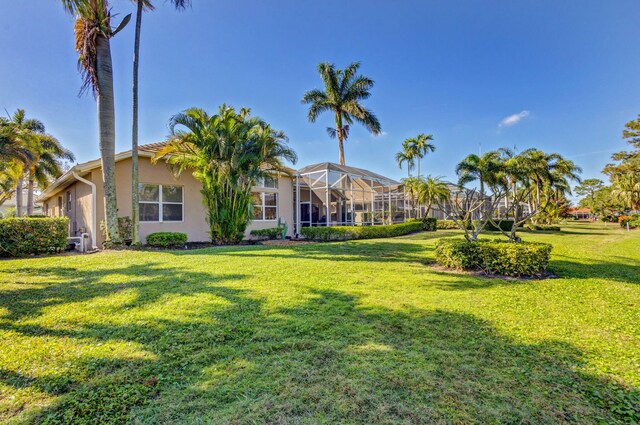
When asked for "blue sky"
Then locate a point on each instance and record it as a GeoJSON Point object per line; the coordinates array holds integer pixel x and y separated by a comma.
{"type": "Point", "coordinates": [456, 69]}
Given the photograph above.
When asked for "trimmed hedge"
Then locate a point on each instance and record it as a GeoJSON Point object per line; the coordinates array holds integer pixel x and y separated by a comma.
{"type": "Point", "coordinates": [270, 233]}
{"type": "Point", "coordinates": [167, 239]}
{"type": "Point", "coordinates": [446, 225]}
{"type": "Point", "coordinates": [33, 235]}
{"type": "Point", "coordinates": [498, 257]}
{"type": "Point", "coordinates": [343, 233]}
{"type": "Point", "coordinates": [544, 227]}
{"type": "Point", "coordinates": [428, 222]}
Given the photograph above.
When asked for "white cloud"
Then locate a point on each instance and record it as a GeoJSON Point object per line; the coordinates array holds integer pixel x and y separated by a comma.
{"type": "Point", "coordinates": [513, 119]}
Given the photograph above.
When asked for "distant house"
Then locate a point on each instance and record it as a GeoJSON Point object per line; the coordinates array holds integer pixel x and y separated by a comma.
{"type": "Point", "coordinates": [580, 213]}
{"type": "Point", "coordinates": [316, 195]}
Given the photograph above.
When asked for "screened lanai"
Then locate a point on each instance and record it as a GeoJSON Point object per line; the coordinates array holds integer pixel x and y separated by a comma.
{"type": "Point", "coordinates": [328, 194]}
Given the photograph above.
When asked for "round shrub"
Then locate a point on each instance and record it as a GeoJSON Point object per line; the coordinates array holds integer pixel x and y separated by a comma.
{"type": "Point", "coordinates": [496, 257]}
{"type": "Point", "coordinates": [167, 239]}
{"type": "Point", "coordinates": [446, 225]}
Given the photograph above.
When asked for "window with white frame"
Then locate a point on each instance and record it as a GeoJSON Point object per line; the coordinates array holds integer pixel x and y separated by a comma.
{"type": "Point", "coordinates": [265, 206]}
{"type": "Point", "coordinates": [267, 182]}
{"type": "Point", "coordinates": [160, 202]}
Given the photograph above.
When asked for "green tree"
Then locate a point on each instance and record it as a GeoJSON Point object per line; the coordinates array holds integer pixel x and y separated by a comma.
{"type": "Point", "coordinates": [624, 173]}
{"type": "Point", "coordinates": [93, 33]}
{"type": "Point", "coordinates": [485, 169]}
{"type": "Point", "coordinates": [588, 190]}
{"type": "Point", "coordinates": [343, 92]}
{"type": "Point", "coordinates": [420, 146]}
{"type": "Point", "coordinates": [407, 155]}
{"type": "Point", "coordinates": [15, 154]}
{"type": "Point", "coordinates": [141, 6]}
{"type": "Point", "coordinates": [432, 190]}
{"type": "Point", "coordinates": [227, 152]}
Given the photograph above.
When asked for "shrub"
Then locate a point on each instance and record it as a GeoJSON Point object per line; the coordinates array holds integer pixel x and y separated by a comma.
{"type": "Point", "coordinates": [544, 227]}
{"type": "Point", "coordinates": [430, 224]}
{"type": "Point", "coordinates": [30, 235]}
{"type": "Point", "coordinates": [167, 239]}
{"type": "Point", "coordinates": [446, 225]}
{"type": "Point", "coordinates": [270, 233]}
{"type": "Point", "coordinates": [499, 257]}
{"type": "Point", "coordinates": [343, 233]}
{"type": "Point", "coordinates": [632, 220]}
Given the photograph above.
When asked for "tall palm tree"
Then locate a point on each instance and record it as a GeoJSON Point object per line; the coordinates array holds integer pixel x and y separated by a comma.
{"type": "Point", "coordinates": [407, 155]}
{"type": "Point", "coordinates": [482, 168]}
{"type": "Point", "coordinates": [343, 92]}
{"type": "Point", "coordinates": [141, 5]}
{"type": "Point", "coordinates": [92, 34]}
{"type": "Point", "coordinates": [421, 146]}
{"type": "Point", "coordinates": [227, 152]}
{"type": "Point", "coordinates": [432, 190]}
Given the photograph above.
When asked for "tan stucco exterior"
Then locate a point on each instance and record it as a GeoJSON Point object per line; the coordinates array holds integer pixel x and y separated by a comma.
{"type": "Point", "coordinates": [194, 222]}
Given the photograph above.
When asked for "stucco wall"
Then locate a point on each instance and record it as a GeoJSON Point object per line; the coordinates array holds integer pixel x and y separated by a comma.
{"type": "Point", "coordinates": [194, 222]}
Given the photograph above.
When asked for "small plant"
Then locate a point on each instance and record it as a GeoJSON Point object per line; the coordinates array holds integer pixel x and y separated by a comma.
{"type": "Point", "coordinates": [267, 234]}
{"type": "Point", "coordinates": [30, 235]}
{"type": "Point", "coordinates": [499, 257]}
{"type": "Point", "coordinates": [167, 239]}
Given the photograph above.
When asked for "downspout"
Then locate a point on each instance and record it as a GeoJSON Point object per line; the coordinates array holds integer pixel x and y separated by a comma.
{"type": "Point", "coordinates": [94, 224]}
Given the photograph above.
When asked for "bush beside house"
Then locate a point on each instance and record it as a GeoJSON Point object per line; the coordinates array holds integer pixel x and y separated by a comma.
{"type": "Point", "coordinates": [498, 257]}
{"type": "Point", "coordinates": [32, 235]}
{"type": "Point", "coordinates": [167, 240]}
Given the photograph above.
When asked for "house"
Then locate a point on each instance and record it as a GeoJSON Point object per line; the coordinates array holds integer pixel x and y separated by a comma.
{"type": "Point", "coordinates": [580, 213]}
{"type": "Point", "coordinates": [330, 194]}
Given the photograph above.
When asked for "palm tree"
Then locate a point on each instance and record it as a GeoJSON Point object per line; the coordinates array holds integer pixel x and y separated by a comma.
{"type": "Point", "coordinates": [343, 92]}
{"type": "Point", "coordinates": [407, 155]}
{"type": "Point", "coordinates": [141, 5]}
{"type": "Point", "coordinates": [15, 153]}
{"type": "Point", "coordinates": [92, 34]}
{"type": "Point", "coordinates": [482, 168]}
{"type": "Point", "coordinates": [46, 165]}
{"type": "Point", "coordinates": [227, 152]}
{"type": "Point", "coordinates": [432, 190]}
{"type": "Point", "coordinates": [421, 146]}
{"type": "Point", "coordinates": [25, 134]}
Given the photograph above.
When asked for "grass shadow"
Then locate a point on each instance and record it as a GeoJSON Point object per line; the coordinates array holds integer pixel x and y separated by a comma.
{"type": "Point", "coordinates": [327, 359]}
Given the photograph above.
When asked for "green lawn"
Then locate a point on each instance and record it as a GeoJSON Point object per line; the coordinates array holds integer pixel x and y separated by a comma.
{"type": "Point", "coordinates": [355, 332]}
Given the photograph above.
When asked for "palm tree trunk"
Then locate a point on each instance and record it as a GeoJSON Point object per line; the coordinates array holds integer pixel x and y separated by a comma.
{"type": "Point", "coordinates": [135, 212]}
{"type": "Point", "coordinates": [107, 132]}
{"type": "Point", "coordinates": [30, 194]}
{"type": "Point", "coordinates": [340, 138]}
{"type": "Point", "coordinates": [19, 197]}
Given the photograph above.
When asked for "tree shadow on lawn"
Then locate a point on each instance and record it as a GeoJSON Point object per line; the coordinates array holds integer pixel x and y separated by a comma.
{"type": "Point", "coordinates": [369, 251]}
{"type": "Point", "coordinates": [609, 270]}
{"type": "Point", "coordinates": [328, 359]}
{"type": "Point", "coordinates": [71, 285]}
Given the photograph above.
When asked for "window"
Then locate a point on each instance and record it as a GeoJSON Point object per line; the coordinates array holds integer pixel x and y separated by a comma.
{"type": "Point", "coordinates": [265, 206]}
{"type": "Point", "coordinates": [267, 182]}
{"type": "Point", "coordinates": [160, 202]}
